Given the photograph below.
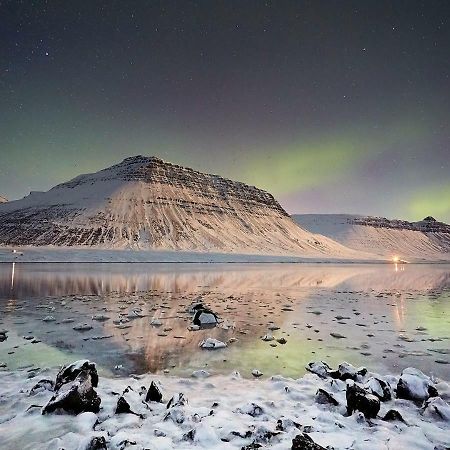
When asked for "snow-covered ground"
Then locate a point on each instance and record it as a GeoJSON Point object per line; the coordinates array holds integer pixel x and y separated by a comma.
{"type": "Point", "coordinates": [382, 237]}
{"type": "Point", "coordinates": [226, 412]}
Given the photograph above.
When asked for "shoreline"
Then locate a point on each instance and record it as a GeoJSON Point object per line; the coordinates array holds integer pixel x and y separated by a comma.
{"type": "Point", "coordinates": [221, 412]}
{"type": "Point", "coordinates": [133, 256]}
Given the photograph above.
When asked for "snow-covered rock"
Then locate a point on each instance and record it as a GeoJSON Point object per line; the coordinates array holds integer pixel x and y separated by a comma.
{"type": "Point", "coordinates": [212, 344]}
{"type": "Point", "coordinates": [415, 385]}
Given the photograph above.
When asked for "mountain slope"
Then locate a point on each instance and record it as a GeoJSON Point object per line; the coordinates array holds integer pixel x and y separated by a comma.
{"type": "Point", "coordinates": [3, 199]}
{"type": "Point", "coordinates": [146, 203]}
{"type": "Point", "coordinates": [426, 239]}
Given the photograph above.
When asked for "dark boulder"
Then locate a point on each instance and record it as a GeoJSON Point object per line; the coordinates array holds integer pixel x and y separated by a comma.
{"type": "Point", "coordinates": [75, 397]}
{"type": "Point", "coordinates": [393, 415]}
{"type": "Point", "coordinates": [153, 393]}
{"type": "Point", "coordinates": [358, 399]}
{"type": "Point", "coordinates": [304, 442]}
{"type": "Point", "coordinates": [122, 407]}
{"type": "Point", "coordinates": [323, 397]}
{"type": "Point", "coordinates": [205, 318]}
{"type": "Point", "coordinates": [71, 371]}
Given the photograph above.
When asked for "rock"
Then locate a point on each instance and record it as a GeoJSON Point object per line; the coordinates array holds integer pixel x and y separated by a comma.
{"type": "Point", "coordinates": [323, 397]}
{"type": "Point", "coordinates": [100, 317]}
{"type": "Point", "coordinates": [437, 408]}
{"type": "Point", "coordinates": [252, 446]}
{"type": "Point", "coordinates": [212, 344]}
{"type": "Point", "coordinates": [338, 336]}
{"type": "Point", "coordinates": [82, 327]}
{"type": "Point", "coordinates": [75, 396]}
{"type": "Point", "coordinates": [284, 424]}
{"type": "Point", "coordinates": [97, 443]}
{"type": "Point", "coordinates": [155, 323]}
{"type": "Point", "coordinates": [379, 388]}
{"type": "Point", "coordinates": [205, 317]}
{"type": "Point", "coordinates": [48, 319]}
{"type": "Point", "coordinates": [200, 374]}
{"type": "Point", "coordinates": [415, 385]}
{"type": "Point", "coordinates": [304, 442]}
{"type": "Point", "coordinates": [42, 385]}
{"type": "Point", "coordinates": [153, 393]}
{"type": "Point", "coordinates": [393, 415]}
{"type": "Point", "coordinates": [281, 340]}
{"type": "Point", "coordinates": [319, 368]}
{"type": "Point", "coordinates": [196, 306]}
{"type": "Point", "coordinates": [3, 336]}
{"type": "Point", "coordinates": [346, 371]}
{"type": "Point", "coordinates": [267, 338]}
{"type": "Point", "coordinates": [122, 407]}
{"type": "Point", "coordinates": [361, 400]}
{"type": "Point", "coordinates": [256, 373]}
{"type": "Point", "coordinates": [252, 409]}
{"type": "Point", "coordinates": [71, 371]}
{"type": "Point", "coordinates": [177, 400]}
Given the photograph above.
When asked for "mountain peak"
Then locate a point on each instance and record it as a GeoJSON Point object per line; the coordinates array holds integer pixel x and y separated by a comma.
{"type": "Point", "coordinates": [146, 203]}
{"type": "Point", "coordinates": [141, 158]}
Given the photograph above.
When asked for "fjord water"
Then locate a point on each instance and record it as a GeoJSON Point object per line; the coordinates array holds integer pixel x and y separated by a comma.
{"type": "Point", "coordinates": [385, 317]}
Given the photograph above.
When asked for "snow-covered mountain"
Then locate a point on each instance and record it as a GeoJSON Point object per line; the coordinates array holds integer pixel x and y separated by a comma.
{"type": "Point", "coordinates": [426, 239]}
{"type": "Point", "coordinates": [146, 203]}
{"type": "Point", "coordinates": [3, 199]}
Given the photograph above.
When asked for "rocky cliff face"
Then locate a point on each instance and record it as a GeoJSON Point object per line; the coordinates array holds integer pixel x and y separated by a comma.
{"type": "Point", "coordinates": [426, 239]}
{"type": "Point", "coordinates": [146, 203]}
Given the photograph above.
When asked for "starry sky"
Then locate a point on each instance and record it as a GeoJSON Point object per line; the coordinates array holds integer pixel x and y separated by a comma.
{"type": "Point", "coordinates": [332, 106]}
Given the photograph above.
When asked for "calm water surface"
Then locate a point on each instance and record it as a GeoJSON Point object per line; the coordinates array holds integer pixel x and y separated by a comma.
{"type": "Point", "coordinates": [382, 316]}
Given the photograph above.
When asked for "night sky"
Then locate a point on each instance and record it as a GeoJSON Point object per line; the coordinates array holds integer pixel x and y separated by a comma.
{"type": "Point", "coordinates": [332, 106]}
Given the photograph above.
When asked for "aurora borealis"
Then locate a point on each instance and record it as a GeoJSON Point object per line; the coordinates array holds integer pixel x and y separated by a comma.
{"type": "Point", "coordinates": [334, 107]}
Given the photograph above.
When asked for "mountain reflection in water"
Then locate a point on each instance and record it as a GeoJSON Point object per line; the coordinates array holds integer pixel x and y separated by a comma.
{"type": "Point", "coordinates": [386, 318]}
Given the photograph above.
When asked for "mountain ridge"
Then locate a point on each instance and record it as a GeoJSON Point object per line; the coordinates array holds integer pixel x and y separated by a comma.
{"type": "Point", "coordinates": [147, 203]}
{"type": "Point", "coordinates": [427, 238]}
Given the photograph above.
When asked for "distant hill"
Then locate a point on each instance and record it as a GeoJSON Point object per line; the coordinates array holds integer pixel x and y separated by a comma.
{"type": "Point", "coordinates": [146, 203]}
{"type": "Point", "coordinates": [426, 239]}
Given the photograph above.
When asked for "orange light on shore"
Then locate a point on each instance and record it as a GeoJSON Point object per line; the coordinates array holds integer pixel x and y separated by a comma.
{"type": "Point", "coordinates": [395, 259]}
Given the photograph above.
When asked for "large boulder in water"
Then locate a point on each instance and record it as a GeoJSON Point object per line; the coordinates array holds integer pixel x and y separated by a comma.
{"type": "Point", "coordinates": [205, 317]}
{"type": "Point", "coordinates": [70, 372]}
{"type": "Point", "coordinates": [358, 399]}
{"type": "Point", "coordinates": [75, 396]}
{"type": "Point", "coordinates": [415, 385]}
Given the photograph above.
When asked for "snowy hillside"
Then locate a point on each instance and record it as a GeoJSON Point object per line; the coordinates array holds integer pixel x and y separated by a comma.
{"type": "Point", "coordinates": [146, 203]}
{"type": "Point", "coordinates": [426, 239]}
